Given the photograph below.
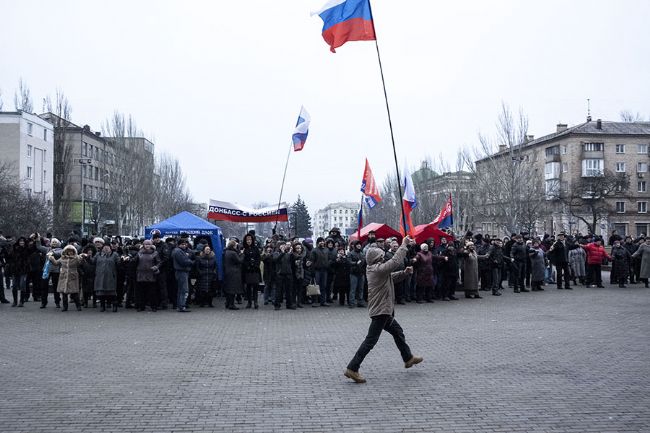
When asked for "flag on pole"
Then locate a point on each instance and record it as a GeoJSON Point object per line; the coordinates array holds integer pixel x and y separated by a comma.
{"type": "Point", "coordinates": [346, 20]}
{"type": "Point", "coordinates": [301, 131]}
{"type": "Point", "coordinates": [409, 202]}
{"type": "Point", "coordinates": [360, 221]}
{"type": "Point", "coordinates": [369, 187]}
{"type": "Point", "coordinates": [446, 216]}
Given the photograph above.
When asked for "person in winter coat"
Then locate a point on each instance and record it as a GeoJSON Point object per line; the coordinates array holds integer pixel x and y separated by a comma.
{"type": "Point", "coordinates": [19, 264]}
{"type": "Point", "coordinates": [251, 268]}
{"type": "Point", "coordinates": [88, 275]}
{"type": "Point", "coordinates": [57, 251]}
{"type": "Point", "coordinates": [269, 274]}
{"type": "Point", "coordinates": [147, 268]}
{"type": "Point", "coordinates": [68, 263]}
{"type": "Point", "coordinates": [620, 263]}
{"type": "Point", "coordinates": [183, 262]}
{"type": "Point", "coordinates": [424, 264]}
{"type": "Point", "coordinates": [106, 262]}
{"type": "Point", "coordinates": [232, 274]}
{"type": "Point", "coordinates": [299, 284]}
{"type": "Point", "coordinates": [332, 252]}
{"type": "Point", "coordinates": [497, 261]}
{"type": "Point", "coordinates": [631, 248]}
{"type": "Point", "coordinates": [357, 261]}
{"type": "Point", "coordinates": [318, 263]}
{"type": "Point", "coordinates": [206, 266]}
{"type": "Point", "coordinates": [643, 253]}
{"type": "Point", "coordinates": [519, 256]}
{"type": "Point", "coordinates": [558, 254]}
{"type": "Point", "coordinates": [537, 266]}
{"type": "Point", "coordinates": [470, 270]}
{"type": "Point", "coordinates": [577, 261]}
{"type": "Point", "coordinates": [449, 272]}
{"type": "Point", "coordinates": [596, 254]}
{"type": "Point", "coordinates": [381, 308]}
{"type": "Point", "coordinates": [285, 270]}
{"type": "Point", "coordinates": [164, 254]}
{"type": "Point", "coordinates": [341, 268]}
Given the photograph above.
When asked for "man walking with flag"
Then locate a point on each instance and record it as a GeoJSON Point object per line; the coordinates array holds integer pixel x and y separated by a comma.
{"type": "Point", "coordinates": [381, 306]}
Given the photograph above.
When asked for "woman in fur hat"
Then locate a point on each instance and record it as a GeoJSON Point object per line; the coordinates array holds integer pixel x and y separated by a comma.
{"type": "Point", "coordinates": [206, 266]}
{"type": "Point", "coordinates": [68, 264]}
{"type": "Point", "coordinates": [106, 262]}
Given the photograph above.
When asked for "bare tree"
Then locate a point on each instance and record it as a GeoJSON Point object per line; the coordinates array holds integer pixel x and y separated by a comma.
{"type": "Point", "coordinates": [21, 212]}
{"type": "Point", "coordinates": [587, 200]}
{"type": "Point", "coordinates": [507, 186]}
{"type": "Point", "coordinates": [63, 160]}
{"type": "Point", "coordinates": [22, 98]}
{"type": "Point", "coordinates": [628, 116]}
{"type": "Point", "coordinates": [171, 193]}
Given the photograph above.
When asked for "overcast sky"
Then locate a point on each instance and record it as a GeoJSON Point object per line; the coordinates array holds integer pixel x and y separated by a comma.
{"type": "Point", "coordinates": [220, 84]}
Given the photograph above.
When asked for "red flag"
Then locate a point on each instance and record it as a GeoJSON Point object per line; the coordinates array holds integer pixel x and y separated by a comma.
{"type": "Point", "coordinates": [369, 187]}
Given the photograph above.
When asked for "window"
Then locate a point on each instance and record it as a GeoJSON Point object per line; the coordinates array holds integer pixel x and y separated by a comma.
{"type": "Point", "coordinates": [553, 150]}
{"type": "Point", "coordinates": [29, 151]}
{"type": "Point", "coordinates": [84, 149]}
{"type": "Point", "coordinates": [83, 171]}
{"type": "Point", "coordinates": [620, 207]}
{"type": "Point", "coordinates": [30, 129]}
{"type": "Point", "coordinates": [552, 189]}
{"type": "Point", "coordinates": [642, 167]}
{"type": "Point", "coordinates": [552, 170]}
{"type": "Point", "coordinates": [642, 148]}
{"type": "Point", "coordinates": [593, 147]}
{"type": "Point", "coordinates": [564, 186]}
{"type": "Point", "coordinates": [641, 229]}
{"type": "Point", "coordinates": [565, 167]}
{"type": "Point", "coordinates": [641, 186]}
{"type": "Point", "coordinates": [564, 149]}
{"type": "Point", "coordinates": [620, 148]}
{"type": "Point", "coordinates": [592, 167]}
{"type": "Point", "coordinates": [620, 167]}
{"type": "Point", "coordinates": [29, 172]}
{"type": "Point", "coordinates": [642, 206]}
{"type": "Point", "coordinates": [44, 134]}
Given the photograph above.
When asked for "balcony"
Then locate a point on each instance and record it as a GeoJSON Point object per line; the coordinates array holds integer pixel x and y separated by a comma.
{"type": "Point", "coordinates": [555, 157]}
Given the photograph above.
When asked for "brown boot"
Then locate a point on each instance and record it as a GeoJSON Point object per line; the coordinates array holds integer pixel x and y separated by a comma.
{"type": "Point", "coordinates": [354, 375]}
{"type": "Point", "coordinates": [414, 360]}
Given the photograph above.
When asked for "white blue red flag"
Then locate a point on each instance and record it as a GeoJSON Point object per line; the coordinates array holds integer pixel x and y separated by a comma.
{"type": "Point", "coordinates": [301, 131]}
{"type": "Point", "coordinates": [369, 187]}
{"type": "Point", "coordinates": [409, 201]}
{"type": "Point", "coordinates": [446, 216]}
{"type": "Point", "coordinates": [346, 20]}
{"type": "Point", "coordinates": [359, 221]}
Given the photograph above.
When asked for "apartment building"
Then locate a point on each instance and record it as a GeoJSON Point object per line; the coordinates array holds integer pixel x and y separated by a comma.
{"type": "Point", "coordinates": [342, 215]}
{"type": "Point", "coordinates": [560, 159]}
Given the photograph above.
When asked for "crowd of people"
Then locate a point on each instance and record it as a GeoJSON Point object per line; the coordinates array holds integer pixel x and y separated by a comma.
{"type": "Point", "coordinates": [174, 273]}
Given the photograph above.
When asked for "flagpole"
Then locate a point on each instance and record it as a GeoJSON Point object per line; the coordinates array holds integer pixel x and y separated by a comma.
{"type": "Point", "coordinates": [360, 221]}
{"type": "Point", "coordinates": [390, 123]}
{"type": "Point", "coordinates": [284, 176]}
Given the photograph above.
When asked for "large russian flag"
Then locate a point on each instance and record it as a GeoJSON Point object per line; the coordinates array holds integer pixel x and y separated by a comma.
{"type": "Point", "coordinates": [346, 20]}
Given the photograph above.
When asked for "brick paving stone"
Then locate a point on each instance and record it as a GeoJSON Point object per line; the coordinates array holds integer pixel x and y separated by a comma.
{"type": "Point", "coordinates": [553, 361]}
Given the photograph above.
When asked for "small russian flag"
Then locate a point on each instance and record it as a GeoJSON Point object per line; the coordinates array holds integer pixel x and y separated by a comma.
{"type": "Point", "coordinates": [301, 131]}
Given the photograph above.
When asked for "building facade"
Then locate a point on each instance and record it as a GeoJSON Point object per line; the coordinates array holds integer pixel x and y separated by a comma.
{"type": "Point", "coordinates": [26, 147]}
{"type": "Point", "coordinates": [342, 215]}
{"type": "Point", "coordinates": [557, 162]}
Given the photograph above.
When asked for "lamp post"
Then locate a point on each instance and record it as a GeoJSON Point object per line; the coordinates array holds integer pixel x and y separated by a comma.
{"type": "Point", "coordinates": [82, 162]}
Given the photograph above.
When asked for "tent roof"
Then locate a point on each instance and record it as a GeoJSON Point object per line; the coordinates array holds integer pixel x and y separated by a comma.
{"type": "Point", "coordinates": [184, 221]}
{"type": "Point", "coordinates": [382, 231]}
{"type": "Point", "coordinates": [431, 230]}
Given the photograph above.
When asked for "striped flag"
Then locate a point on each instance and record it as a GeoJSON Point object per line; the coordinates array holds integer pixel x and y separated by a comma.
{"type": "Point", "coordinates": [301, 131]}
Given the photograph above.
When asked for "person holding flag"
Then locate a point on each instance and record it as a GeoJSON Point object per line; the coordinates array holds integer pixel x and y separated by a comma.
{"type": "Point", "coordinates": [381, 307]}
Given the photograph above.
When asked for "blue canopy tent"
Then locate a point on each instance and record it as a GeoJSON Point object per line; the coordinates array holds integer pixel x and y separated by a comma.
{"type": "Point", "coordinates": [186, 222]}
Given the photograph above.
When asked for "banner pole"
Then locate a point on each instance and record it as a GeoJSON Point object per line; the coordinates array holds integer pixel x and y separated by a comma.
{"type": "Point", "coordinates": [284, 176]}
{"type": "Point", "coordinates": [390, 124]}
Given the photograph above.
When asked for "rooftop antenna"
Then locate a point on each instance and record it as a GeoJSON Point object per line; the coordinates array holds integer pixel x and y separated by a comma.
{"type": "Point", "coordinates": [588, 110]}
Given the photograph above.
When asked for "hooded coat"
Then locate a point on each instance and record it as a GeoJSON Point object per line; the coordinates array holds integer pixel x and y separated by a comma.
{"type": "Point", "coordinates": [425, 269]}
{"type": "Point", "coordinates": [68, 270]}
{"type": "Point", "coordinates": [106, 273]}
{"type": "Point", "coordinates": [232, 272]}
{"type": "Point", "coordinates": [206, 266]}
{"type": "Point", "coordinates": [381, 277]}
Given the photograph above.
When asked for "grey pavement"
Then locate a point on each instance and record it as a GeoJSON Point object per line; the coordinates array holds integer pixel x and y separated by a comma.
{"type": "Point", "coordinates": [552, 361]}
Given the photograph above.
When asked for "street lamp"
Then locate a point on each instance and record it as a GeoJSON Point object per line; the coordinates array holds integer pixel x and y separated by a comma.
{"type": "Point", "coordinates": [83, 162]}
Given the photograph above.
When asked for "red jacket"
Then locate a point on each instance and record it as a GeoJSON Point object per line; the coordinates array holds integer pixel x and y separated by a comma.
{"type": "Point", "coordinates": [596, 254]}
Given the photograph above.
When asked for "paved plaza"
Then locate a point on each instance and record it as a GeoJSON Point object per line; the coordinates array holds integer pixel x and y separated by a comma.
{"type": "Point", "coordinates": [552, 361]}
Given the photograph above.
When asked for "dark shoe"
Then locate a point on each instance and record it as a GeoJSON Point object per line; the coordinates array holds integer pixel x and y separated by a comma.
{"type": "Point", "coordinates": [232, 307]}
{"type": "Point", "coordinates": [414, 360]}
{"type": "Point", "coordinates": [4, 301]}
{"type": "Point", "coordinates": [299, 305]}
{"type": "Point", "coordinates": [354, 375]}
{"type": "Point", "coordinates": [255, 305]}
{"type": "Point", "coordinates": [361, 305]}
{"type": "Point", "coordinates": [419, 302]}
{"type": "Point", "coordinates": [293, 307]}
{"type": "Point", "coordinates": [277, 307]}
{"type": "Point", "coordinates": [524, 290]}
{"type": "Point", "coordinates": [185, 310]}
{"type": "Point", "coordinates": [477, 296]}
{"type": "Point", "coordinates": [495, 293]}
{"type": "Point", "coordinates": [446, 299]}
{"type": "Point", "coordinates": [429, 301]}
{"type": "Point", "coordinates": [468, 296]}
{"type": "Point", "coordinates": [517, 291]}
{"type": "Point", "coordinates": [43, 306]}
{"type": "Point", "coordinates": [559, 288]}
{"type": "Point", "coordinates": [314, 305]}
{"type": "Point", "coordinates": [78, 307]}
{"type": "Point", "coordinates": [248, 305]}
{"type": "Point", "coordinates": [568, 288]}
{"type": "Point", "coordinates": [600, 286]}
{"type": "Point", "coordinates": [324, 305]}
{"type": "Point", "coordinates": [114, 308]}
{"type": "Point", "coordinates": [453, 298]}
